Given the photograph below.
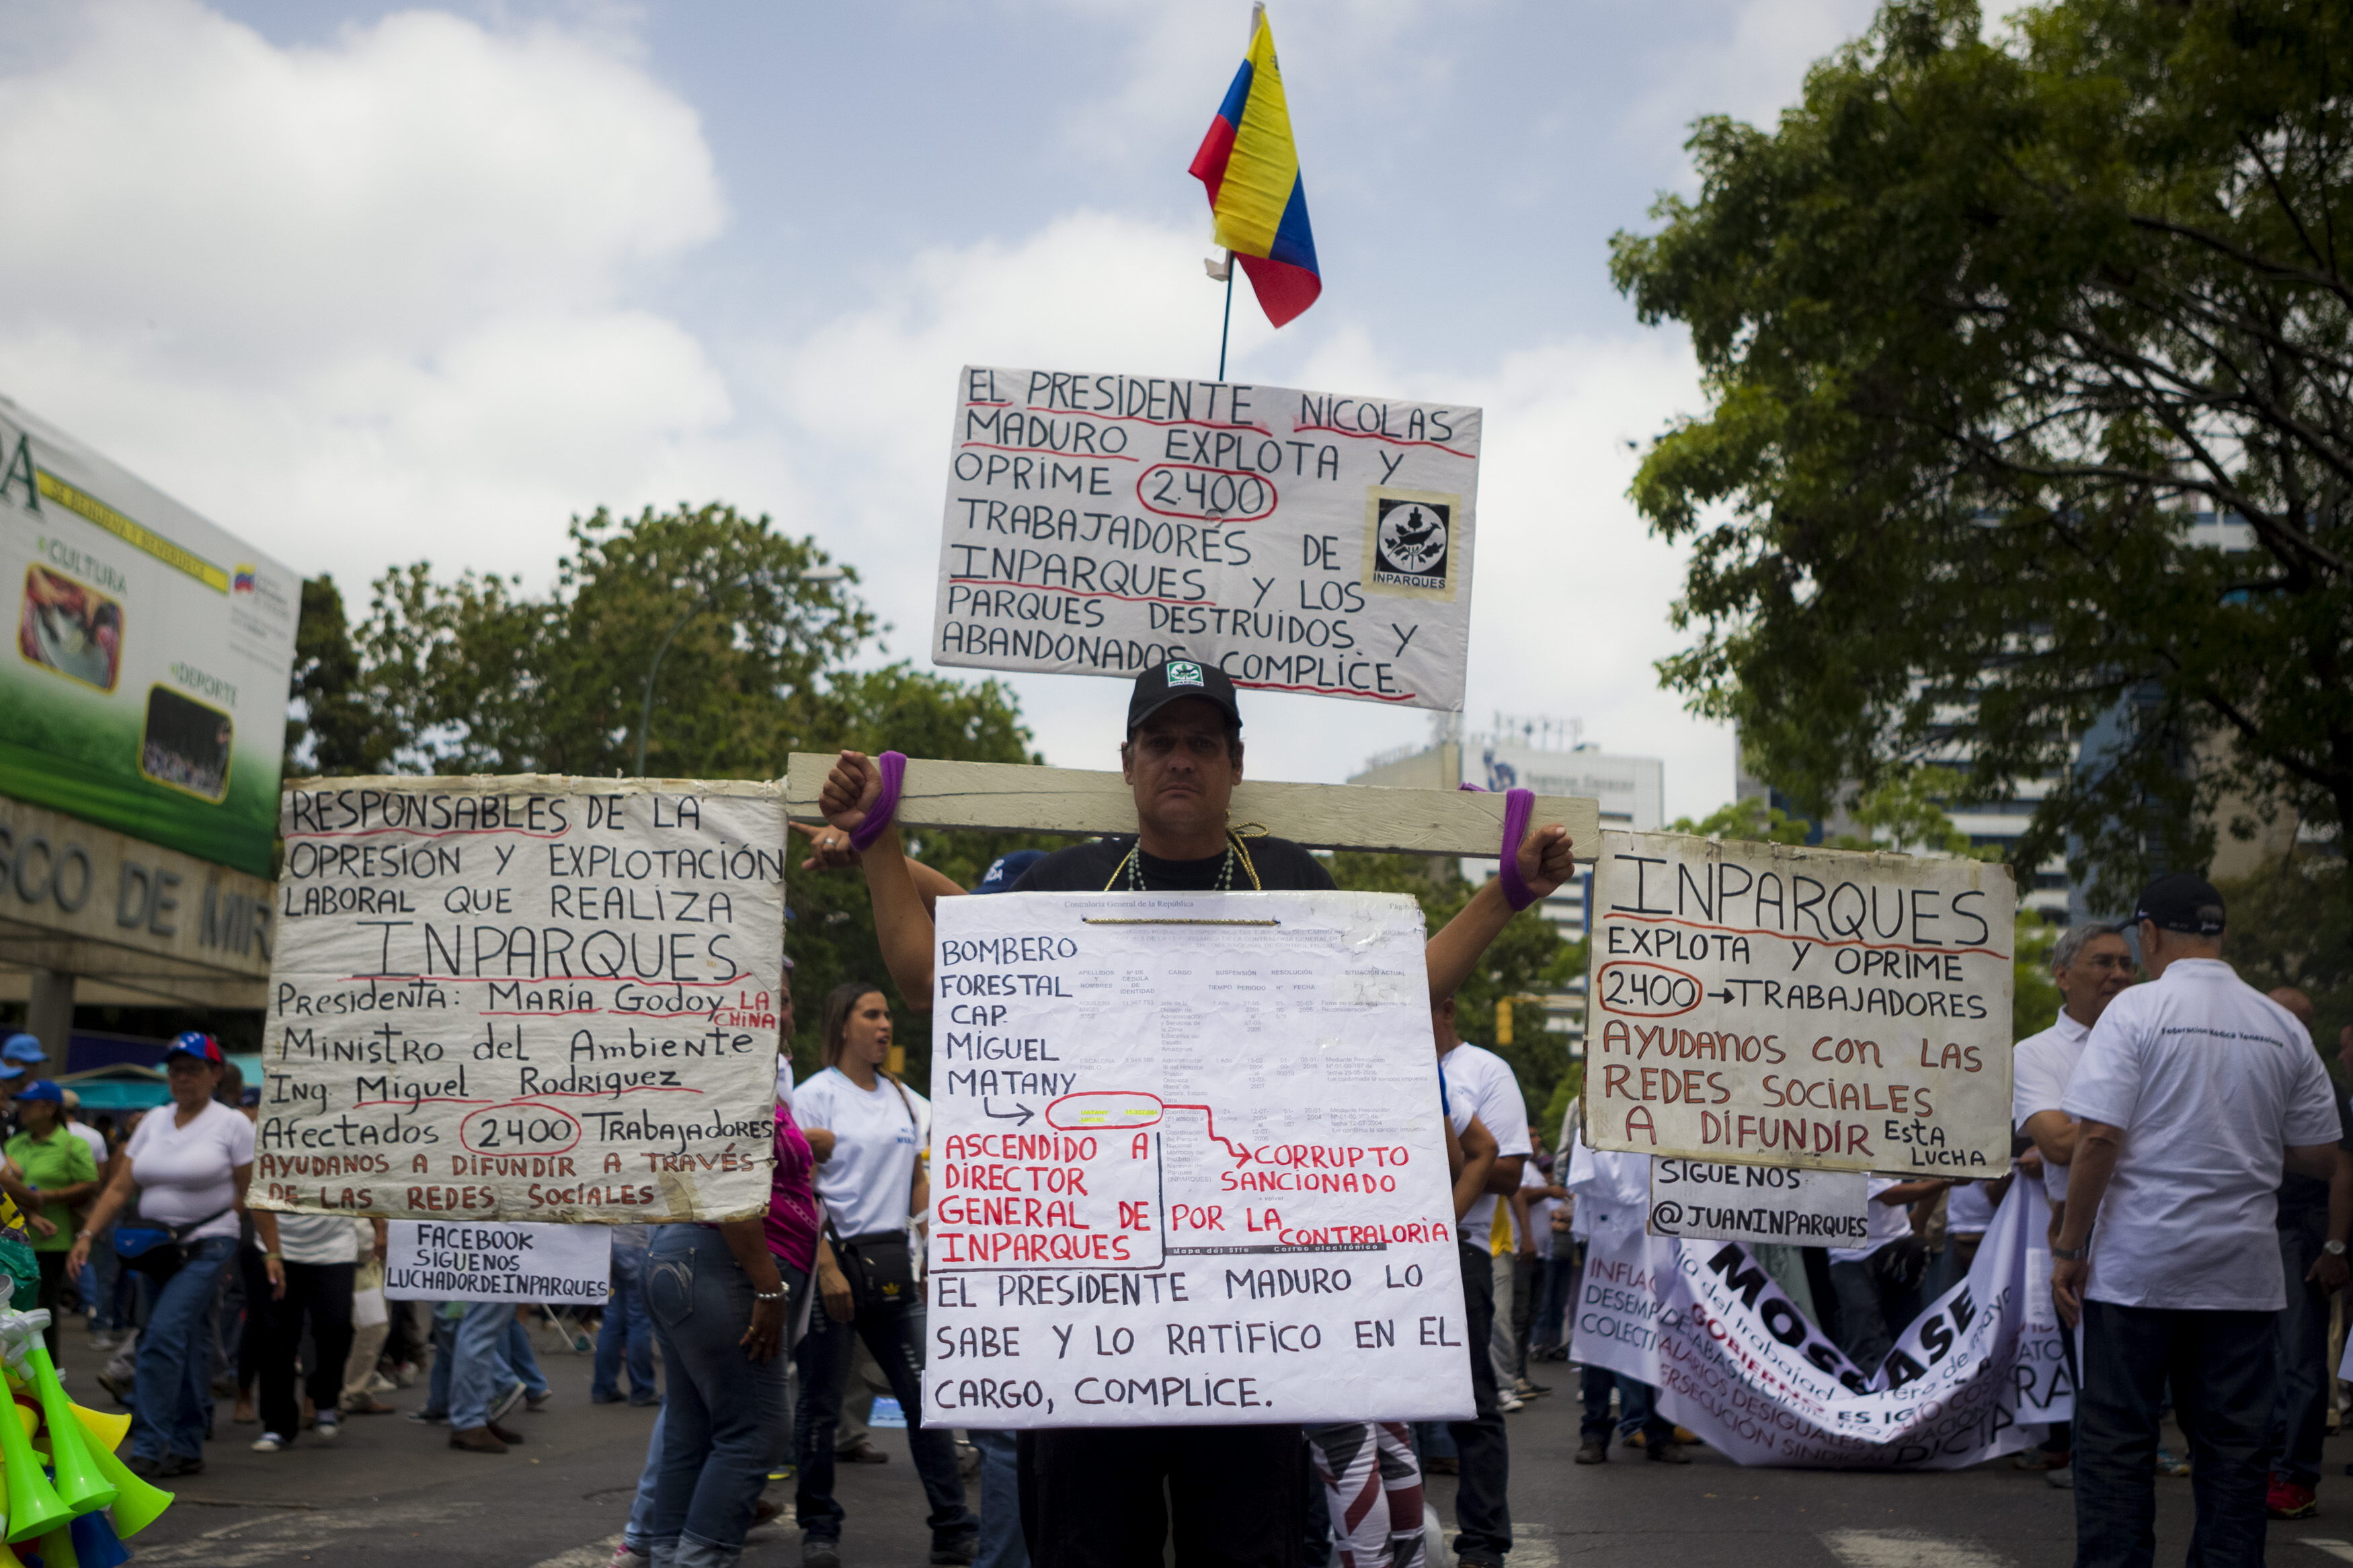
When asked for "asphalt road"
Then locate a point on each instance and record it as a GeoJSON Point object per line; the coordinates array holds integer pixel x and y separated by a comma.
{"type": "Point", "coordinates": [392, 1491]}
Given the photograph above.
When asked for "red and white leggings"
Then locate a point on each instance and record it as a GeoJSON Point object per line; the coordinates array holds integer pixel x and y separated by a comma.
{"type": "Point", "coordinates": [1373, 1484]}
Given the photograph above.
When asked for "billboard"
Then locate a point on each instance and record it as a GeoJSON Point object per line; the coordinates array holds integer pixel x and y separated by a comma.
{"type": "Point", "coordinates": [145, 689]}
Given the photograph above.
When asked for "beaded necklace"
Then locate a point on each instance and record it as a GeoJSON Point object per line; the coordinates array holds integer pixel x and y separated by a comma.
{"type": "Point", "coordinates": [1130, 864]}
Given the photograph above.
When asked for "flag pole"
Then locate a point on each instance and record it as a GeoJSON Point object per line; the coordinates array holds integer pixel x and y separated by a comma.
{"type": "Point", "coordinates": [1227, 332]}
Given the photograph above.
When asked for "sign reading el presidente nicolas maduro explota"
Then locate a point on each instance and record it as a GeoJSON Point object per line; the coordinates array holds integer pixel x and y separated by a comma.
{"type": "Point", "coordinates": [525, 998]}
{"type": "Point", "coordinates": [1779, 1005]}
{"type": "Point", "coordinates": [1299, 540]}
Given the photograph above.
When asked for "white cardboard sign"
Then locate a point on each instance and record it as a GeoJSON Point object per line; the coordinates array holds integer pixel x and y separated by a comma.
{"type": "Point", "coordinates": [1299, 540]}
{"type": "Point", "coordinates": [1698, 1200]}
{"type": "Point", "coordinates": [470, 1260]}
{"type": "Point", "coordinates": [1779, 1005]}
{"type": "Point", "coordinates": [1188, 1165]}
{"type": "Point", "coordinates": [523, 998]}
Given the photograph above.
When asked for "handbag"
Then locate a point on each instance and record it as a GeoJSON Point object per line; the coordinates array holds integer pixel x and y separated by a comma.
{"type": "Point", "coordinates": [880, 1266]}
{"type": "Point", "coordinates": [154, 1248]}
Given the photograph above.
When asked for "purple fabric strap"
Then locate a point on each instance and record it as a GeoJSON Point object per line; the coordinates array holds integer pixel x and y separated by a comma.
{"type": "Point", "coordinates": [1519, 804]}
{"type": "Point", "coordinates": [894, 768]}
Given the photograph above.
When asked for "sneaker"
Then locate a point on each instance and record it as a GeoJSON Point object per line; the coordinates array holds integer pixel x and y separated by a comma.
{"type": "Point", "coordinates": [960, 1551]}
{"type": "Point", "coordinates": [535, 1403]}
{"type": "Point", "coordinates": [1595, 1452]}
{"type": "Point", "coordinates": [503, 1405]}
{"type": "Point", "coordinates": [1527, 1390]}
{"type": "Point", "coordinates": [625, 1557]}
{"type": "Point", "coordinates": [2285, 1500]}
{"type": "Point", "coordinates": [329, 1425]}
{"type": "Point", "coordinates": [119, 1387]}
{"type": "Point", "coordinates": [1511, 1404]}
{"type": "Point", "coordinates": [2170, 1464]}
{"type": "Point", "coordinates": [379, 1383]}
{"type": "Point", "coordinates": [816, 1552]}
{"type": "Point", "coordinates": [269, 1443]}
{"type": "Point", "coordinates": [2064, 1477]}
{"type": "Point", "coordinates": [425, 1417]}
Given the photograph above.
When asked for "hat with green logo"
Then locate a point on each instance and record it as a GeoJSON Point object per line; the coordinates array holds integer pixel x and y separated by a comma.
{"type": "Point", "coordinates": [1174, 682]}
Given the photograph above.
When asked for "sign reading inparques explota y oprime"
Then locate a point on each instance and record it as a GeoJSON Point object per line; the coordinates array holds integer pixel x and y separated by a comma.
{"type": "Point", "coordinates": [1298, 540]}
{"type": "Point", "coordinates": [525, 998]}
{"type": "Point", "coordinates": [1777, 1005]}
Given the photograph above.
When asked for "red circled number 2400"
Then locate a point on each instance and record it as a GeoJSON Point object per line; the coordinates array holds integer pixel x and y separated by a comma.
{"type": "Point", "coordinates": [523, 1129]}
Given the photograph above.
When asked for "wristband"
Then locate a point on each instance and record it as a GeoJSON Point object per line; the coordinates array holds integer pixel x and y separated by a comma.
{"type": "Point", "coordinates": [886, 806]}
{"type": "Point", "coordinates": [767, 1295]}
{"type": "Point", "coordinates": [2071, 1253]}
{"type": "Point", "coordinates": [1519, 804]}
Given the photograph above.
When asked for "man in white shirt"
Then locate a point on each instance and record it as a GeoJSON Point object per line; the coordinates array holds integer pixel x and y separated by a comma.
{"type": "Point", "coordinates": [1611, 1190]}
{"type": "Point", "coordinates": [2092, 965]}
{"type": "Point", "coordinates": [2192, 1092]}
{"type": "Point", "coordinates": [1479, 1083]}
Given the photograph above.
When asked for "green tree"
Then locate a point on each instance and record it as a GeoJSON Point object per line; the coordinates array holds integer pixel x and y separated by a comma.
{"type": "Point", "coordinates": [1753, 820]}
{"type": "Point", "coordinates": [2291, 923]}
{"type": "Point", "coordinates": [1529, 958]}
{"type": "Point", "coordinates": [336, 727]}
{"type": "Point", "coordinates": [1983, 324]}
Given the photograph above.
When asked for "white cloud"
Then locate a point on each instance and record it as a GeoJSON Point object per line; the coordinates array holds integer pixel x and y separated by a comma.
{"type": "Point", "coordinates": [360, 302]}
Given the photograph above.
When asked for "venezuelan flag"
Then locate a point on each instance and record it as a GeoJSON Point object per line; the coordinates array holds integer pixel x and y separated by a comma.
{"type": "Point", "coordinates": [1251, 170]}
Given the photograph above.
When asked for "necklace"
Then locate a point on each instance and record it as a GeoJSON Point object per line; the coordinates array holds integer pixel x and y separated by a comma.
{"type": "Point", "coordinates": [1131, 866]}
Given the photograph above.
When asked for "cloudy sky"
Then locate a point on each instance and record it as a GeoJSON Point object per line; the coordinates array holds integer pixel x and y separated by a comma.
{"type": "Point", "coordinates": [369, 283]}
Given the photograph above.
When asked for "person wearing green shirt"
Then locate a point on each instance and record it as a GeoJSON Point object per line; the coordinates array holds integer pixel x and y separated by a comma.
{"type": "Point", "coordinates": [57, 1169]}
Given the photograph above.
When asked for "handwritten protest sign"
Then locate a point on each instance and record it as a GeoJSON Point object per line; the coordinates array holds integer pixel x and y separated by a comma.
{"type": "Point", "coordinates": [1757, 1203]}
{"type": "Point", "coordinates": [1976, 1375]}
{"type": "Point", "coordinates": [471, 1260]}
{"type": "Point", "coordinates": [1188, 1165]}
{"type": "Point", "coordinates": [1299, 540]}
{"type": "Point", "coordinates": [523, 998]}
{"type": "Point", "coordinates": [1779, 1005]}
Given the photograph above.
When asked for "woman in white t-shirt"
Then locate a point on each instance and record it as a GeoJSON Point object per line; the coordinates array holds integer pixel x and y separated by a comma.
{"type": "Point", "coordinates": [869, 1187]}
{"type": "Point", "coordinates": [186, 1173]}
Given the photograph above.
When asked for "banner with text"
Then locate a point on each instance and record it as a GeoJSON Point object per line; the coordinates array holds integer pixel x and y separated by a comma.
{"type": "Point", "coordinates": [1298, 540]}
{"type": "Point", "coordinates": [1772, 1004]}
{"type": "Point", "coordinates": [466, 1260]}
{"type": "Point", "coordinates": [1188, 1165]}
{"type": "Point", "coordinates": [1975, 1377]}
{"type": "Point", "coordinates": [525, 998]}
{"type": "Point", "coordinates": [1757, 1203]}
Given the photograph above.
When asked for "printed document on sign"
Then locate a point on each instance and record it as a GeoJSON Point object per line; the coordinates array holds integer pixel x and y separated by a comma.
{"type": "Point", "coordinates": [1188, 1163]}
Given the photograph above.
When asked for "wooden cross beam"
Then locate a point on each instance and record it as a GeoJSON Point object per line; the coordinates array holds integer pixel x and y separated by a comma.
{"type": "Point", "coordinates": [1013, 797]}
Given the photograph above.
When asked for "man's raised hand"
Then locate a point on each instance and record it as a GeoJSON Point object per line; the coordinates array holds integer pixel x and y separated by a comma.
{"type": "Point", "coordinates": [1545, 859]}
{"type": "Point", "coordinates": [850, 790]}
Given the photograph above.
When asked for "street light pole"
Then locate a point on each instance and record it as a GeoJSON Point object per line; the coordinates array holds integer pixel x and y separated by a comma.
{"type": "Point", "coordinates": [645, 709]}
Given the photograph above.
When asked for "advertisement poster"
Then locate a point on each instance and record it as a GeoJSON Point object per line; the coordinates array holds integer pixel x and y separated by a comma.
{"type": "Point", "coordinates": [145, 690]}
{"type": "Point", "coordinates": [1188, 1165]}
{"type": "Point", "coordinates": [1299, 540]}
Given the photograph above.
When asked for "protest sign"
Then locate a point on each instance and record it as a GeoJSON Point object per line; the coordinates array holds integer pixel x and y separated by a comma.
{"type": "Point", "coordinates": [1777, 1005]}
{"type": "Point", "coordinates": [1975, 1377]}
{"type": "Point", "coordinates": [1757, 1202]}
{"type": "Point", "coordinates": [505, 1260]}
{"type": "Point", "coordinates": [523, 998]}
{"type": "Point", "coordinates": [1188, 1165]}
{"type": "Point", "coordinates": [1298, 540]}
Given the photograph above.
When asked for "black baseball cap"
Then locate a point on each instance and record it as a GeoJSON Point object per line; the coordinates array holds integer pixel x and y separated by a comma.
{"type": "Point", "coordinates": [1173, 682]}
{"type": "Point", "coordinates": [2181, 902]}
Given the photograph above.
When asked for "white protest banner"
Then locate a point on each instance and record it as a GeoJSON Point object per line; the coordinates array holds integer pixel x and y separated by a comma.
{"type": "Point", "coordinates": [468, 1261]}
{"type": "Point", "coordinates": [1757, 1202]}
{"type": "Point", "coordinates": [1973, 1377]}
{"type": "Point", "coordinates": [1777, 1005]}
{"type": "Point", "coordinates": [1298, 540]}
{"type": "Point", "coordinates": [1188, 1166]}
{"type": "Point", "coordinates": [523, 998]}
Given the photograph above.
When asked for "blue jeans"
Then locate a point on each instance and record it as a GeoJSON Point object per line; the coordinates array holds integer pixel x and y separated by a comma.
{"type": "Point", "coordinates": [895, 1332]}
{"type": "Point", "coordinates": [2220, 1367]}
{"type": "Point", "coordinates": [626, 1334]}
{"type": "Point", "coordinates": [2300, 1415]}
{"type": "Point", "coordinates": [1001, 1545]}
{"type": "Point", "coordinates": [479, 1373]}
{"type": "Point", "coordinates": [1637, 1407]}
{"type": "Point", "coordinates": [521, 1360]}
{"type": "Point", "coordinates": [638, 1534]}
{"type": "Point", "coordinates": [172, 1407]}
{"type": "Point", "coordinates": [723, 1421]}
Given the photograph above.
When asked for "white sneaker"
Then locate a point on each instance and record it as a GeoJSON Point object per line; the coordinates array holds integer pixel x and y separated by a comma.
{"type": "Point", "coordinates": [1511, 1404]}
{"type": "Point", "coordinates": [330, 1425]}
{"type": "Point", "coordinates": [269, 1443]}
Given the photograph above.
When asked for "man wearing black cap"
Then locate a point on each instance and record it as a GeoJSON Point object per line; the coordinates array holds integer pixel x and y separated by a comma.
{"type": "Point", "coordinates": [1237, 1494]}
{"type": "Point", "coordinates": [2193, 1091]}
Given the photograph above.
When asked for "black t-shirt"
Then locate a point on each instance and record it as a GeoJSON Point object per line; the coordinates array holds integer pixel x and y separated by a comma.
{"type": "Point", "coordinates": [2301, 1196]}
{"type": "Point", "coordinates": [1282, 867]}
